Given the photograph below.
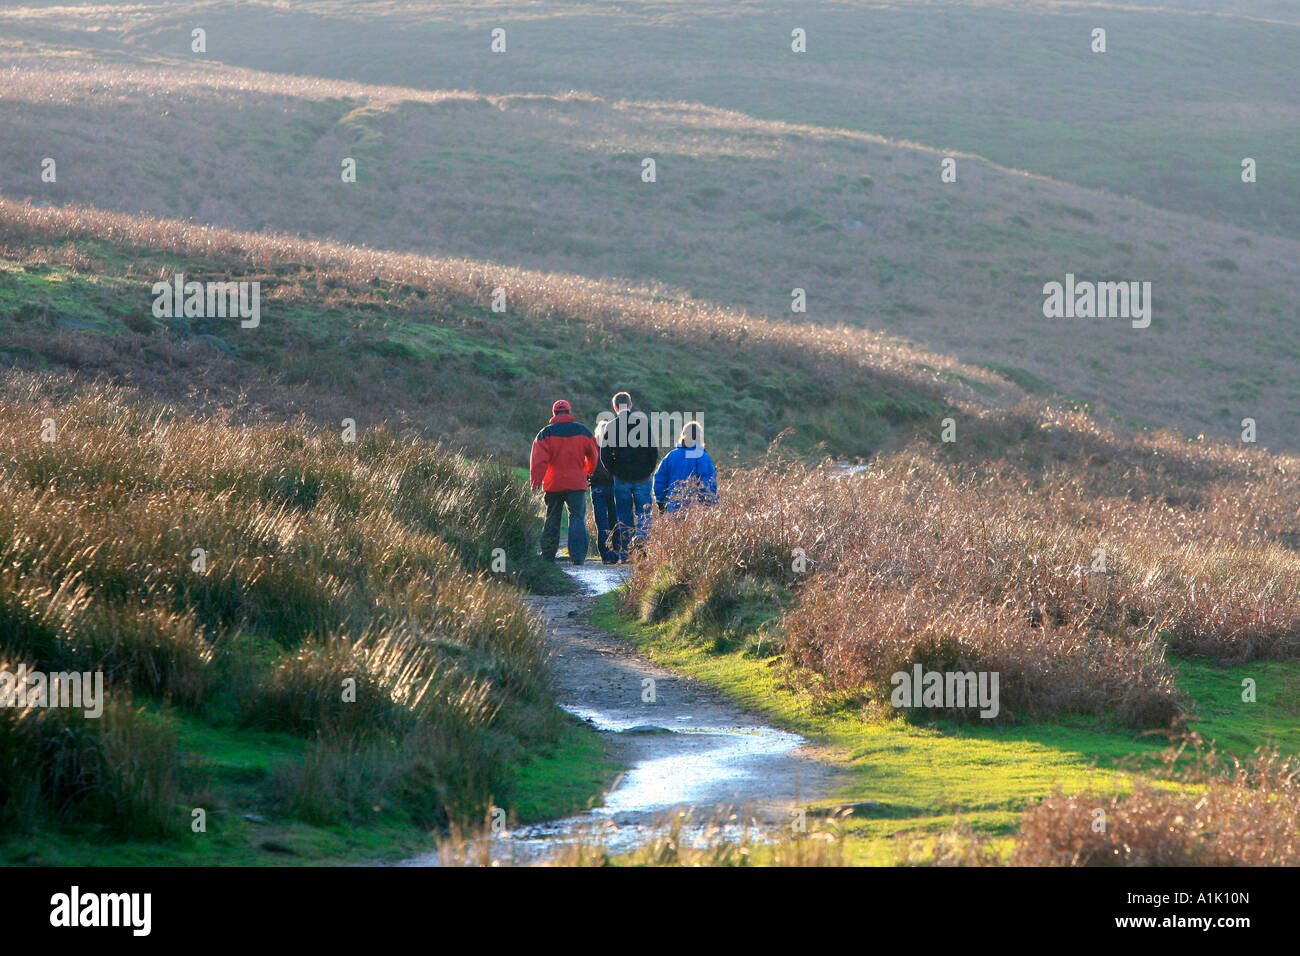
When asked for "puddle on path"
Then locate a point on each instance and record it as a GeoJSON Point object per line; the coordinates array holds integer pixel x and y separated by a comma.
{"type": "Point", "coordinates": [686, 748]}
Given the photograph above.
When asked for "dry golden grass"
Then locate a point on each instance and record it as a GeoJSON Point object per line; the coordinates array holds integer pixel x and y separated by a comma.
{"type": "Point", "coordinates": [35, 234]}
{"type": "Point", "coordinates": [1217, 813]}
{"type": "Point", "coordinates": [322, 562]}
{"type": "Point", "coordinates": [958, 559]}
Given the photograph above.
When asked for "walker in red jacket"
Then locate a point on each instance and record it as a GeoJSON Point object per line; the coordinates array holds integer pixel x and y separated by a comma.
{"type": "Point", "coordinates": [564, 454]}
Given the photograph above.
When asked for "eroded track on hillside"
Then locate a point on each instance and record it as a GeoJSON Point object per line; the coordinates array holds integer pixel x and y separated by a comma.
{"type": "Point", "coordinates": [685, 746]}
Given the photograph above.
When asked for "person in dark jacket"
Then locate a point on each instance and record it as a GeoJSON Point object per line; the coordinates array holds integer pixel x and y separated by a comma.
{"type": "Point", "coordinates": [602, 505]}
{"type": "Point", "coordinates": [564, 454]}
{"type": "Point", "coordinates": [629, 454]}
{"type": "Point", "coordinates": [686, 474]}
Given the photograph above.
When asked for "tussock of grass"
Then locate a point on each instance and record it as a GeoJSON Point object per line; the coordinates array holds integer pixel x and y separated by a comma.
{"type": "Point", "coordinates": [1246, 813]}
{"type": "Point", "coordinates": [330, 567]}
{"type": "Point", "coordinates": [116, 775]}
{"type": "Point", "coordinates": [1223, 812]}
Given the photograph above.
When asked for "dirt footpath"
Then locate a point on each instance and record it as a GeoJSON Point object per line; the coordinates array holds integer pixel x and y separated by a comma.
{"type": "Point", "coordinates": [684, 743]}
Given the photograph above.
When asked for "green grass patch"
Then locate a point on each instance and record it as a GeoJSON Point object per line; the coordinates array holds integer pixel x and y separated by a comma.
{"type": "Point", "coordinates": [229, 769]}
{"type": "Point", "coordinates": [919, 778]}
{"type": "Point", "coordinates": [563, 778]}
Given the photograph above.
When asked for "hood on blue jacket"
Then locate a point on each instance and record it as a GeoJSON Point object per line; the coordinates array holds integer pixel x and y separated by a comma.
{"type": "Point", "coordinates": [675, 473]}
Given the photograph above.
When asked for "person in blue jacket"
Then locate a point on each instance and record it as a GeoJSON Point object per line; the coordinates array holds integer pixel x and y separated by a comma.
{"type": "Point", "coordinates": [686, 474]}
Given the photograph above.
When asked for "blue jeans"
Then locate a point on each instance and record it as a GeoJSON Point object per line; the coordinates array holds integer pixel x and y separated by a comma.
{"type": "Point", "coordinates": [556, 502]}
{"type": "Point", "coordinates": [602, 507]}
{"type": "Point", "coordinates": [632, 502]}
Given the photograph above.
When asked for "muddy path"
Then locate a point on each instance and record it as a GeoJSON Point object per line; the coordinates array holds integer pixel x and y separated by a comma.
{"type": "Point", "coordinates": [685, 746]}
